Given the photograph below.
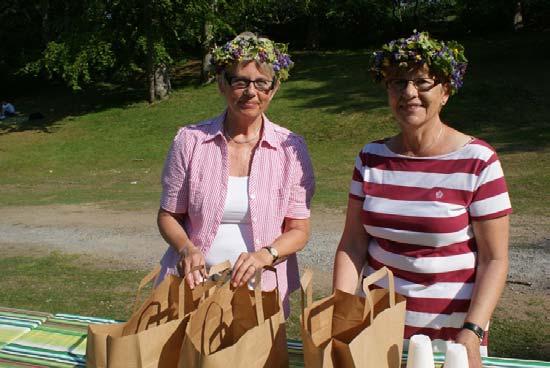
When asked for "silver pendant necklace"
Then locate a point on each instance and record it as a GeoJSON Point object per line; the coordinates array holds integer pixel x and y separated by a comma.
{"type": "Point", "coordinates": [232, 139]}
{"type": "Point", "coordinates": [436, 138]}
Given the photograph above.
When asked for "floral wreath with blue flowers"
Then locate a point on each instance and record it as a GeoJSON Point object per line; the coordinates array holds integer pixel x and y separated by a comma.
{"type": "Point", "coordinates": [253, 48]}
{"type": "Point", "coordinates": [445, 59]}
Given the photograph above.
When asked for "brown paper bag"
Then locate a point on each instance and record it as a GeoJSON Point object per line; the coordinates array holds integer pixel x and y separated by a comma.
{"type": "Point", "coordinates": [153, 335]}
{"type": "Point", "coordinates": [237, 327]}
{"type": "Point", "coordinates": [345, 330]}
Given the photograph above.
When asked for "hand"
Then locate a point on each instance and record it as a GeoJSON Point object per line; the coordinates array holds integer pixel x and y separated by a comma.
{"type": "Point", "coordinates": [247, 264]}
{"type": "Point", "coordinates": [192, 257]}
{"type": "Point", "coordinates": [471, 341]}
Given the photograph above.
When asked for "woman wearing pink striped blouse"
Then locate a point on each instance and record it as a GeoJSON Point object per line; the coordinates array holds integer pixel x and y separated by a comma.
{"type": "Point", "coordinates": [238, 187]}
{"type": "Point", "coordinates": [430, 203]}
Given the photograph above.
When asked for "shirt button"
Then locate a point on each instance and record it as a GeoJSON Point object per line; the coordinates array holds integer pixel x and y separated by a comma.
{"type": "Point", "coordinates": [252, 196]}
{"type": "Point", "coordinates": [257, 241]}
{"type": "Point", "coordinates": [253, 219]}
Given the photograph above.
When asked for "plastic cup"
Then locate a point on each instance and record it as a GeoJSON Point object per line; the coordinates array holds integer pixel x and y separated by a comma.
{"type": "Point", "coordinates": [456, 356]}
{"type": "Point", "coordinates": [420, 352]}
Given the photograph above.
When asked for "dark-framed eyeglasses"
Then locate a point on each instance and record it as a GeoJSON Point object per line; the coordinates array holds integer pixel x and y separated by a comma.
{"type": "Point", "coordinates": [262, 85]}
{"type": "Point", "coordinates": [421, 84]}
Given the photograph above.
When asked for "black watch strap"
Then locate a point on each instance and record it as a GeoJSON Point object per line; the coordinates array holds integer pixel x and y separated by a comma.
{"type": "Point", "coordinates": [474, 328]}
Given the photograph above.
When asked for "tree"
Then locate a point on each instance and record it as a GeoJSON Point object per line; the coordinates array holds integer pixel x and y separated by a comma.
{"type": "Point", "coordinates": [96, 40]}
{"type": "Point", "coordinates": [156, 68]}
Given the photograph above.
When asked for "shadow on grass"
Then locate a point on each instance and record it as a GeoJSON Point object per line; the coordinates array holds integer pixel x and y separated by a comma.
{"type": "Point", "coordinates": [56, 102]}
{"type": "Point", "coordinates": [341, 83]}
{"type": "Point", "coordinates": [504, 99]}
{"type": "Point", "coordinates": [505, 95]}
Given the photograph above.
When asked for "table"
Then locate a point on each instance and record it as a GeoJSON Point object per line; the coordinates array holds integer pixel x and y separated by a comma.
{"type": "Point", "coordinates": [36, 339]}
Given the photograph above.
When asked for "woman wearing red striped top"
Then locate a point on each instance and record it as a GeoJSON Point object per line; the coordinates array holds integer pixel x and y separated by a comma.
{"type": "Point", "coordinates": [430, 202]}
{"type": "Point", "coordinates": [238, 187]}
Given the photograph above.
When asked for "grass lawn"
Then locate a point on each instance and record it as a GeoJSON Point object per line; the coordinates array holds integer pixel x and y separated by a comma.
{"type": "Point", "coordinates": [106, 146]}
{"type": "Point", "coordinates": [72, 284]}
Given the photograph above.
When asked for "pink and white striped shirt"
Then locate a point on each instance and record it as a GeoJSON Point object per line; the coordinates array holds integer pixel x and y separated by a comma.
{"type": "Point", "coordinates": [418, 212]}
{"type": "Point", "coordinates": [281, 185]}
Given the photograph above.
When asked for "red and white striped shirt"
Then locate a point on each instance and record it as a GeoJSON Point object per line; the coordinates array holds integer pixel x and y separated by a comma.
{"type": "Point", "coordinates": [281, 185]}
{"type": "Point", "coordinates": [418, 213]}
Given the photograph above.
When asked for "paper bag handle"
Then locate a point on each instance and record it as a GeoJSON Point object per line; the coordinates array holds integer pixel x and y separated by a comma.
{"type": "Point", "coordinates": [215, 269]}
{"type": "Point", "coordinates": [181, 290]}
{"type": "Point", "coordinates": [379, 274]}
{"type": "Point", "coordinates": [218, 268]}
{"type": "Point", "coordinates": [144, 281]}
{"type": "Point", "coordinates": [223, 268]}
{"type": "Point", "coordinates": [369, 305]}
{"type": "Point", "coordinates": [260, 316]}
{"type": "Point", "coordinates": [306, 291]}
{"type": "Point", "coordinates": [203, 337]}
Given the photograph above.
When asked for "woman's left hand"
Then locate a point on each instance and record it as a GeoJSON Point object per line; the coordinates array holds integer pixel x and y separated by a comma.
{"type": "Point", "coordinates": [471, 341]}
{"type": "Point", "coordinates": [247, 264]}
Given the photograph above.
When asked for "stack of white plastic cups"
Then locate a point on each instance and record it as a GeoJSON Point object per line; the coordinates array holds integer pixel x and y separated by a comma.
{"type": "Point", "coordinates": [420, 353]}
{"type": "Point", "coordinates": [456, 356]}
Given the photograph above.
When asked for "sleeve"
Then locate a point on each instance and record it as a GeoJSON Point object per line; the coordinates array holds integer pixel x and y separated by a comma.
{"type": "Point", "coordinates": [357, 179]}
{"type": "Point", "coordinates": [490, 198]}
{"type": "Point", "coordinates": [174, 189]}
{"type": "Point", "coordinates": [303, 183]}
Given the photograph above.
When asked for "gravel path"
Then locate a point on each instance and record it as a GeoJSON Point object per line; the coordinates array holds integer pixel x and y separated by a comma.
{"type": "Point", "coordinates": [133, 236]}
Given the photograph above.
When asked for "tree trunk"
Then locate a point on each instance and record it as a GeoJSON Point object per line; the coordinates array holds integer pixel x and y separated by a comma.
{"type": "Point", "coordinates": [150, 57]}
{"type": "Point", "coordinates": [206, 44]}
{"type": "Point", "coordinates": [397, 15]}
{"type": "Point", "coordinates": [163, 87]}
{"type": "Point", "coordinates": [416, 22]}
{"type": "Point", "coordinates": [44, 9]}
{"type": "Point", "coordinates": [312, 38]}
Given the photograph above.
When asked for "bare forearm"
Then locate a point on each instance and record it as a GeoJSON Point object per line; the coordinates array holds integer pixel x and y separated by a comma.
{"type": "Point", "coordinates": [348, 263]}
{"type": "Point", "coordinates": [490, 281]}
{"type": "Point", "coordinates": [351, 254]}
{"type": "Point", "coordinates": [172, 231]}
{"type": "Point", "coordinates": [492, 239]}
{"type": "Point", "coordinates": [291, 241]}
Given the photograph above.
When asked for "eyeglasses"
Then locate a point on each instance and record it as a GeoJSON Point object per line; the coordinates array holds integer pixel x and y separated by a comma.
{"type": "Point", "coordinates": [421, 84]}
{"type": "Point", "coordinates": [262, 85]}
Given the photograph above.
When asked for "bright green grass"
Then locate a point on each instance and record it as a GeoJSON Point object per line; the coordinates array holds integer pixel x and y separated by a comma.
{"type": "Point", "coordinates": [67, 284]}
{"type": "Point", "coordinates": [525, 339]}
{"type": "Point", "coordinates": [73, 284]}
{"type": "Point", "coordinates": [96, 145]}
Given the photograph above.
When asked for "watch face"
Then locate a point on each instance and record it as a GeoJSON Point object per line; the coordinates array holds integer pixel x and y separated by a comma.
{"type": "Point", "coordinates": [273, 252]}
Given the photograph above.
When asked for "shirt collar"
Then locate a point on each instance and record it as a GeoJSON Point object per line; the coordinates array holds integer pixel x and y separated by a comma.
{"type": "Point", "coordinates": [268, 136]}
{"type": "Point", "coordinates": [216, 128]}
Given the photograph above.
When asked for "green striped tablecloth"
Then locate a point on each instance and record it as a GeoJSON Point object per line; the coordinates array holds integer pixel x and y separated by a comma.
{"type": "Point", "coordinates": [15, 323]}
{"type": "Point", "coordinates": [59, 341]}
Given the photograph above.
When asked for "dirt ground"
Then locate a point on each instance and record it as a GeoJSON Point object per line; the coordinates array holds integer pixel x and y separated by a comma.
{"type": "Point", "coordinates": [131, 239]}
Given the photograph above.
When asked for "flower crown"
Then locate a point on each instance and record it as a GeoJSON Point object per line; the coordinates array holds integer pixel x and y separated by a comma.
{"type": "Point", "coordinates": [253, 48]}
{"type": "Point", "coordinates": [444, 59]}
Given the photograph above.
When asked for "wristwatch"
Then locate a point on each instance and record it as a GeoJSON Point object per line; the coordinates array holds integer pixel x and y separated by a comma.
{"type": "Point", "coordinates": [274, 253]}
{"type": "Point", "coordinates": [474, 328]}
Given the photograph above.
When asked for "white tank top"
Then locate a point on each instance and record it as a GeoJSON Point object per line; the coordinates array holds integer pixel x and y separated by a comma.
{"type": "Point", "coordinates": [235, 232]}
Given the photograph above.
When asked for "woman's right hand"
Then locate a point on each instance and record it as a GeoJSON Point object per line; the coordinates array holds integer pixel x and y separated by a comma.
{"type": "Point", "coordinates": [471, 342]}
{"type": "Point", "coordinates": [191, 258]}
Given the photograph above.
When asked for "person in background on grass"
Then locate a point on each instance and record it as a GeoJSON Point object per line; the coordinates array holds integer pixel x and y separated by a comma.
{"type": "Point", "coordinates": [430, 203]}
{"type": "Point", "coordinates": [238, 187]}
{"type": "Point", "coordinates": [7, 109]}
